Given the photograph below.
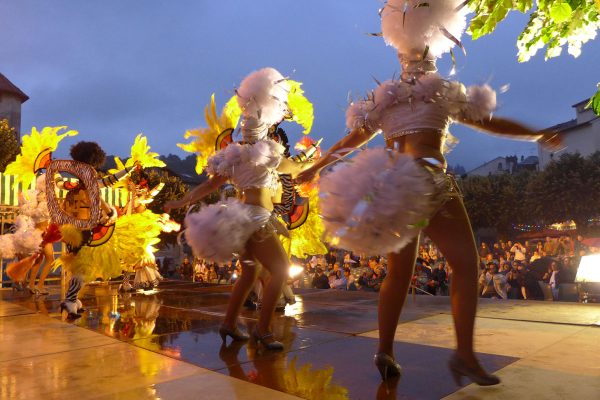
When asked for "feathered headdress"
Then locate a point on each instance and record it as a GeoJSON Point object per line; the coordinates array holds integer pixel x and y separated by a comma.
{"type": "Point", "coordinates": [423, 29]}
{"type": "Point", "coordinates": [263, 96]}
{"type": "Point", "coordinates": [36, 150]}
{"type": "Point", "coordinates": [204, 141]}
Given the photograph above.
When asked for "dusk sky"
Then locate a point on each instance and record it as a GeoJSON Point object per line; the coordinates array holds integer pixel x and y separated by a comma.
{"type": "Point", "coordinates": [112, 69]}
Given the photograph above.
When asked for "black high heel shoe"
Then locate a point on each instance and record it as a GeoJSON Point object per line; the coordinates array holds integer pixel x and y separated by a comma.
{"type": "Point", "coordinates": [235, 334]}
{"type": "Point", "coordinates": [71, 316]}
{"type": "Point", "coordinates": [271, 344]}
{"type": "Point", "coordinates": [387, 366]}
{"type": "Point", "coordinates": [480, 377]}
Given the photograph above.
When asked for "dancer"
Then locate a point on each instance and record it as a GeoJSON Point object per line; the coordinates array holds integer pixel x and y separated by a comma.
{"type": "Point", "coordinates": [35, 153]}
{"type": "Point", "coordinates": [399, 192]}
{"type": "Point", "coordinates": [247, 227]}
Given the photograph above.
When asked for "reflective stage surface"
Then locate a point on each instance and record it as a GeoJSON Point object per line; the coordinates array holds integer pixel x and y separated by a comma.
{"type": "Point", "coordinates": [165, 344]}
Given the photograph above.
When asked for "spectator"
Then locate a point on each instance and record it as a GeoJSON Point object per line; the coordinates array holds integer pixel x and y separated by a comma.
{"type": "Point", "coordinates": [518, 252]}
{"type": "Point", "coordinates": [483, 250]}
{"type": "Point", "coordinates": [535, 256]}
{"type": "Point", "coordinates": [350, 285]}
{"type": "Point", "coordinates": [492, 284]}
{"type": "Point", "coordinates": [340, 282]}
{"type": "Point", "coordinates": [439, 277]}
{"type": "Point", "coordinates": [320, 281]}
{"type": "Point", "coordinates": [514, 284]}
{"type": "Point", "coordinates": [186, 269]}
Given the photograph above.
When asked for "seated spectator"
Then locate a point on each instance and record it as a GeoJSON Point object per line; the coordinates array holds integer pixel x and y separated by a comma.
{"type": "Point", "coordinates": [340, 282]}
{"type": "Point", "coordinates": [320, 281]}
{"type": "Point", "coordinates": [439, 278]}
{"type": "Point", "coordinates": [351, 284]}
{"type": "Point", "coordinates": [422, 278]}
{"type": "Point", "coordinates": [492, 284]}
{"type": "Point", "coordinates": [514, 288]}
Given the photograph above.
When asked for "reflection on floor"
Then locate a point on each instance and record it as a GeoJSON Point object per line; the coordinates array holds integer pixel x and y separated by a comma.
{"type": "Point", "coordinates": [165, 344]}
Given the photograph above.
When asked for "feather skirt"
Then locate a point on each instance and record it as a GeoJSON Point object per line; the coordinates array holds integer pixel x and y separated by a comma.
{"type": "Point", "coordinates": [378, 202]}
{"type": "Point", "coordinates": [220, 230]}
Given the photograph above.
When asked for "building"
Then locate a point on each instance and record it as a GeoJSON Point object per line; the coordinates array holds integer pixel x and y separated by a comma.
{"type": "Point", "coordinates": [11, 98]}
{"type": "Point", "coordinates": [505, 165]}
{"type": "Point", "coordinates": [580, 135]}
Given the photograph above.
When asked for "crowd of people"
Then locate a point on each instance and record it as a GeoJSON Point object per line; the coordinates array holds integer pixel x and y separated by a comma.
{"type": "Point", "coordinates": [508, 269]}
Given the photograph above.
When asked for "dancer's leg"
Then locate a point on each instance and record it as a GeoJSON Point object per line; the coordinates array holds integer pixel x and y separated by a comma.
{"type": "Point", "coordinates": [270, 253]}
{"type": "Point", "coordinates": [393, 293]}
{"type": "Point", "coordinates": [240, 291]}
{"type": "Point", "coordinates": [34, 271]}
{"type": "Point", "coordinates": [49, 259]}
{"type": "Point", "coordinates": [451, 230]}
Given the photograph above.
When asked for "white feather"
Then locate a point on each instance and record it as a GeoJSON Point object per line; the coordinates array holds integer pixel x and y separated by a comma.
{"type": "Point", "coordinates": [375, 203]}
{"type": "Point", "coordinates": [410, 30]}
{"type": "Point", "coordinates": [263, 95]}
{"type": "Point", "coordinates": [220, 230]}
{"type": "Point", "coordinates": [481, 102]}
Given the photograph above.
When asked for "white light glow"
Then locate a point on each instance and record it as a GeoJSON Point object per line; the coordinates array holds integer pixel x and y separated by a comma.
{"type": "Point", "coordinates": [295, 270]}
{"type": "Point", "coordinates": [589, 269]}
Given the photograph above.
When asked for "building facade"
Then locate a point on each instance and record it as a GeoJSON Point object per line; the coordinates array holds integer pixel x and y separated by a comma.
{"type": "Point", "coordinates": [11, 99]}
{"type": "Point", "coordinates": [580, 135]}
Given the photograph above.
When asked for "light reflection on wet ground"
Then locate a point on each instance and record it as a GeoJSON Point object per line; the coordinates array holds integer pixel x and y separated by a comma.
{"type": "Point", "coordinates": [181, 321]}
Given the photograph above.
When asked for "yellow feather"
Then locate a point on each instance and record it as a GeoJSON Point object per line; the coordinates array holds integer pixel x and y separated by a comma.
{"type": "Point", "coordinates": [306, 239]}
{"type": "Point", "coordinates": [71, 235]}
{"type": "Point", "coordinates": [140, 153]}
{"type": "Point", "coordinates": [301, 108]}
{"type": "Point", "coordinates": [31, 146]}
{"type": "Point", "coordinates": [203, 140]}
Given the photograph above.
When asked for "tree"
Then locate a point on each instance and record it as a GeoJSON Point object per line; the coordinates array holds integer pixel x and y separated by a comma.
{"type": "Point", "coordinates": [568, 189]}
{"type": "Point", "coordinates": [552, 24]}
{"type": "Point", "coordinates": [9, 145]}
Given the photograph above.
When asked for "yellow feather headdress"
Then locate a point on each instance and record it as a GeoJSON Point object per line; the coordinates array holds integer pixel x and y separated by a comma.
{"type": "Point", "coordinates": [35, 147]}
{"type": "Point", "coordinates": [203, 140]}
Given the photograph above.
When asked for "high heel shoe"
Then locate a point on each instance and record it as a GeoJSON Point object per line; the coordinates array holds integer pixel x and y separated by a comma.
{"type": "Point", "coordinates": [235, 334]}
{"type": "Point", "coordinates": [18, 286]}
{"type": "Point", "coordinates": [387, 366]}
{"type": "Point", "coordinates": [271, 344]}
{"type": "Point", "coordinates": [69, 309]}
{"type": "Point", "coordinates": [478, 376]}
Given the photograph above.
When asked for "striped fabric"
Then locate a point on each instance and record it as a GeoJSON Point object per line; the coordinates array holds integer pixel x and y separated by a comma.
{"type": "Point", "coordinates": [9, 196]}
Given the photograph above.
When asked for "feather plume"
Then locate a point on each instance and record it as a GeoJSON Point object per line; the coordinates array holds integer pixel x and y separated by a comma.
{"type": "Point", "coordinates": [32, 145]}
{"type": "Point", "coordinates": [412, 26]}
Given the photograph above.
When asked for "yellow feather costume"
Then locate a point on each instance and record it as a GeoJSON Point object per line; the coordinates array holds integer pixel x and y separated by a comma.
{"type": "Point", "coordinates": [34, 147]}
{"type": "Point", "coordinates": [137, 234]}
{"type": "Point", "coordinates": [312, 384]}
{"type": "Point", "coordinates": [204, 140]}
{"type": "Point", "coordinates": [306, 239]}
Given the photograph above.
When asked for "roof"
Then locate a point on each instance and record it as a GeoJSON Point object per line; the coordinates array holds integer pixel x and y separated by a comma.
{"type": "Point", "coordinates": [7, 86]}
{"type": "Point", "coordinates": [567, 126]}
{"type": "Point", "coordinates": [581, 102]}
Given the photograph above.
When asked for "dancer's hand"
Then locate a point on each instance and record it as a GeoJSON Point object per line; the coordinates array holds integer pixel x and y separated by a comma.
{"type": "Point", "coordinates": [551, 141]}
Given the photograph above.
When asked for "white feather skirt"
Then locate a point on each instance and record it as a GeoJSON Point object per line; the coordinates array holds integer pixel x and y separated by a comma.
{"type": "Point", "coordinates": [219, 231]}
{"type": "Point", "coordinates": [146, 277]}
{"type": "Point", "coordinates": [377, 202]}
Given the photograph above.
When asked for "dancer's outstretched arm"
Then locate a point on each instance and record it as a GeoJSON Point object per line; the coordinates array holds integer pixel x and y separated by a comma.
{"type": "Point", "coordinates": [349, 143]}
{"type": "Point", "coordinates": [510, 129]}
{"type": "Point", "coordinates": [198, 193]}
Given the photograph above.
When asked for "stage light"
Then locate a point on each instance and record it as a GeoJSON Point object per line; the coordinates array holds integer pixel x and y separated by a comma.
{"type": "Point", "coordinates": [589, 269]}
{"type": "Point", "coordinates": [295, 270]}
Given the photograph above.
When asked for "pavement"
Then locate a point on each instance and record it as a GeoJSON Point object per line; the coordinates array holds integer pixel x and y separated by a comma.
{"type": "Point", "coordinates": [165, 345]}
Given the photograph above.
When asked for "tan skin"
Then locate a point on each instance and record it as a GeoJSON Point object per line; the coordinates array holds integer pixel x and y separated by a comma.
{"type": "Point", "coordinates": [459, 248]}
{"type": "Point", "coordinates": [267, 251]}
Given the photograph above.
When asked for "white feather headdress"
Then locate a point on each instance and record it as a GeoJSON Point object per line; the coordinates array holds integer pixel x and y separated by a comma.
{"type": "Point", "coordinates": [423, 29]}
{"type": "Point", "coordinates": [263, 96]}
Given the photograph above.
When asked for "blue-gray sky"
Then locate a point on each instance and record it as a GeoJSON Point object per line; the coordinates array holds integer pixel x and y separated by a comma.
{"type": "Point", "coordinates": [114, 68]}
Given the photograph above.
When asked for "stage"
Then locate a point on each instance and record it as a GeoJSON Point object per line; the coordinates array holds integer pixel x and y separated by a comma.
{"type": "Point", "coordinates": [165, 344]}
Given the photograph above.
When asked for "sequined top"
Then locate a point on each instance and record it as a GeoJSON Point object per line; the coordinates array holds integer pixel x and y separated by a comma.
{"type": "Point", "coordinates": [249, 165]}
{"type": "Point", "coordinates": [399, 108]}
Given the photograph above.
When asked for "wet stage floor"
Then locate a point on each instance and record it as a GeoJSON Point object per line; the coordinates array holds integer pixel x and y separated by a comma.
{"type": "Point", "coordinates": [165, 344]}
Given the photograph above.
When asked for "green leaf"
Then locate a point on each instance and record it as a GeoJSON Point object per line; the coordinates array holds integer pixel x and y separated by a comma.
{"type": "Point", "coordinates": [560, 11]}
{"type": "Point", "coordinates": [594, 102]}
